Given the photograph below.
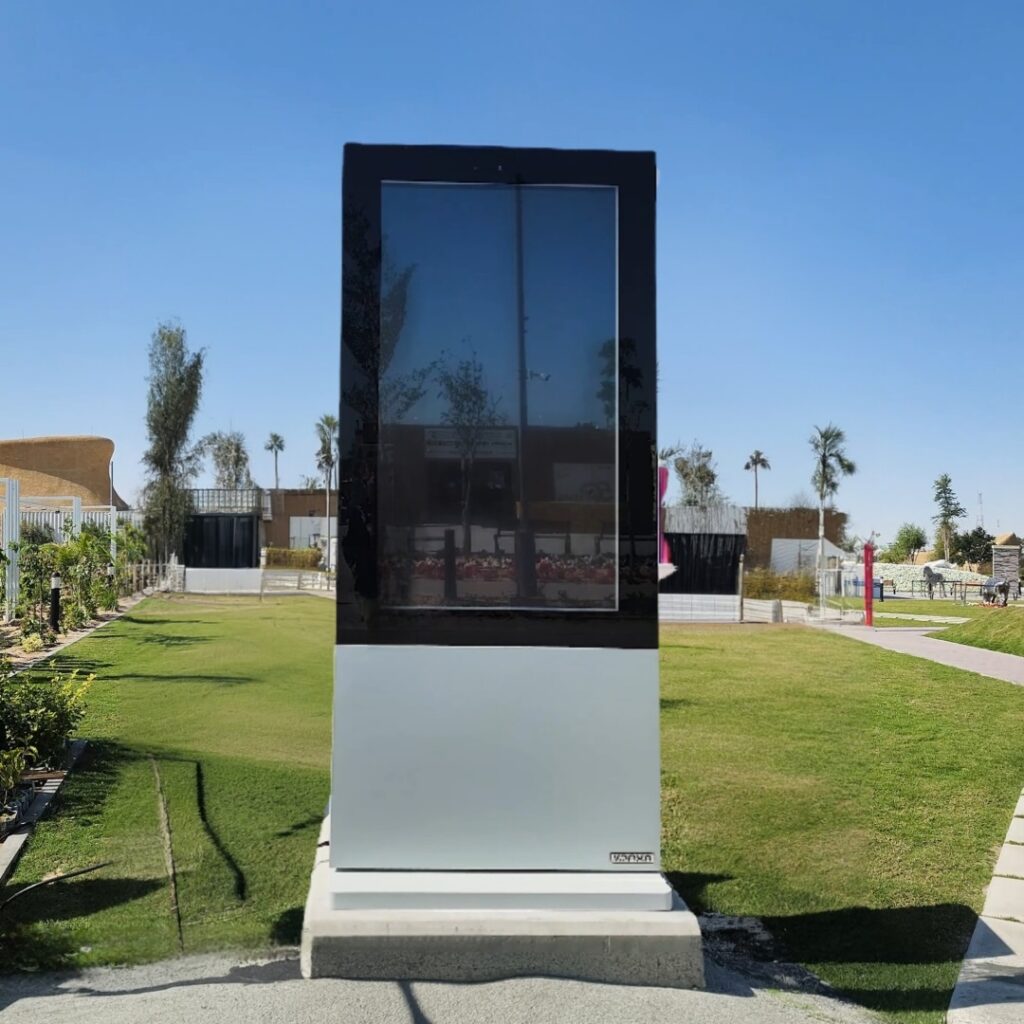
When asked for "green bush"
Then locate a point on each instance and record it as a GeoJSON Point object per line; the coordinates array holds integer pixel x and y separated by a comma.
{"type": "Point", "coordinates": [31, 642]}
{"type": "Point", "coordinates": [293, 558]}
{"type": "Point", "coordinates": [41, 713]}
{"type": "Point", "coordinates": [763, 583]}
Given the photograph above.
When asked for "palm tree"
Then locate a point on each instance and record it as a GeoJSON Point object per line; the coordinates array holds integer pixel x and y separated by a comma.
{"type": "Point", "coordinates": [275, 445]}
{"type": "Point", "coordinates": [757, 460]}
{"type": "Point", "coordinates": [830, 465]}
{"type": "Point", "coordinates": [326, 459]}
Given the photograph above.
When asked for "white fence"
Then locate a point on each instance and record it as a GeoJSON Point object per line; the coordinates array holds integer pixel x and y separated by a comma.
{"type": "Point", "coordinates": [727, 608]}
{"type": "Point", "coordinates": [699, 608]}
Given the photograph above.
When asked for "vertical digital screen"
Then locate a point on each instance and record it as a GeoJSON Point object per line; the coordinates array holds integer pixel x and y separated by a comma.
{"type": "Point", "coordinates": [497, 397]}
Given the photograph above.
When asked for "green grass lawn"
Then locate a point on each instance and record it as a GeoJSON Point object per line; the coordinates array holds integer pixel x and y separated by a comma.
{"type": "Point", "coordinates": [916, 606]}
{"type": "Point", "coordinates": [1002, 629]}
{"type": "Point", "coordinates": [228, 701]}
{"type": "Point", "coordinates": [886, 623]}
{"type": "Point", "coordinates": [853, 798]}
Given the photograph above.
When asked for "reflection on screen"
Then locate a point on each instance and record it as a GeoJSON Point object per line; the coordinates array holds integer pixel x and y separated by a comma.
{"type": "Point", "coordinates": [497, 483]}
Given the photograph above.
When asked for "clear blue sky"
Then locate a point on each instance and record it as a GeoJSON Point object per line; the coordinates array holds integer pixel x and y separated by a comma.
{"type": "Point", "coordinates": [841, 212]}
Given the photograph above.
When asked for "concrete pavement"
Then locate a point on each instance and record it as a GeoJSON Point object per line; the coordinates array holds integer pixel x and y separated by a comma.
{"type": "Point", "coordinates": [218, 989]}
{"type": "Point", "coordinates": [916, 642]}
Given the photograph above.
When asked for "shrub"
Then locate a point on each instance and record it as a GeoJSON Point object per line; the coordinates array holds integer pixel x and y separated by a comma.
{"type": "Point", "coordinates": [763, 583]}
{"type": "Point", "coordinates": [12, 764]}
{"type": "Point", "coordinates": [41, 713]}
{"type": "Point", "coordinates": [293, 558]}
{"type": "Point", "coordinates": [31, 642]}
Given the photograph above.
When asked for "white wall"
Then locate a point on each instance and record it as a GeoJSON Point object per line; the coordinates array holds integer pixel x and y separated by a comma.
{"type": "Point", "coordinates": [223, 581]}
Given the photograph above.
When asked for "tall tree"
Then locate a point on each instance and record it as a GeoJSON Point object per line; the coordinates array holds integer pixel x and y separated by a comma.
{"type": "Point", "coordinates": [230, 459]}
{"type": "Point", "coordinates": [697, 473]}
{"type": "Point", "coordinates": [949, 511]}
{"type": "Point", "coordinates": [275, 445]}
{"type": "Point", "coordinates": [175, 387]}
{"type": "Point", "coordinates": [831, 464]}
{"type": "Point", "coordinates": [326, 460]}
{"type": "Point", "coordinates": [470, 410]}
{"type": "Point", "coordinates": [757, 460]}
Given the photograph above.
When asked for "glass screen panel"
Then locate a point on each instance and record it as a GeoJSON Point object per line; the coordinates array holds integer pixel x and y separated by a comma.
{"type": "Point", "coordinates": [498, 385]}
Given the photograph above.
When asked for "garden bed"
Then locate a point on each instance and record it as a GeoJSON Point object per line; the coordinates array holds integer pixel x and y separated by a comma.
{"type": "Point", "coordinates": [38, 790]}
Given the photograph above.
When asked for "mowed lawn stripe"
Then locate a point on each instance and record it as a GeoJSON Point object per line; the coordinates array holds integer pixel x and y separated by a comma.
{"type": "Point", "coordinates": [231, 697]}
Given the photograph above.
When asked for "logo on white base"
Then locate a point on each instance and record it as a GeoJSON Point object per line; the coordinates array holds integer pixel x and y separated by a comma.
{"type": "Point", "coordinates": [631, 858]}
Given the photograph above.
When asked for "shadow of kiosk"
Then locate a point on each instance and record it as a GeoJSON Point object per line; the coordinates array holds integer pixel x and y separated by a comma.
{"type": "Point", "coordinates": [495, 774]}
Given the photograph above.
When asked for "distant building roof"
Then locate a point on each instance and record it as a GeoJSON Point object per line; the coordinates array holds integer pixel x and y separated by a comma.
{"type": "Point", "coordinates": [710, 519]}
{"type": "Point", "coordinates": [76, 467]}
{"type": "Point", "coordinates": [1007, 540]}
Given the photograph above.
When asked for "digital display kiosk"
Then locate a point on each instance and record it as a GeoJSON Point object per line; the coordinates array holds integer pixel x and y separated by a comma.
{"type": "Point", "coordinates": [496, 741]}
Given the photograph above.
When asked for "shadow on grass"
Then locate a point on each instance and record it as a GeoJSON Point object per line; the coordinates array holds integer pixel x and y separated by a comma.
{"type": "Point", "coordinates": [287, 929]}
{"type": "Point", "coordinates": [170, 640]}
{"type": "Point", "coordinates": [674, 703]}
{"type": "Point", "coordinates": [936, 934]}
{"type": "Point", "coordinates": [241, 885]}
{"type": "Point", "coordinates": [91, 783]}
{"type": "Point", "coordinates": [691, 885]}
{"type": "Point", "coordinates": [147, 621]}
{"type": "Point", "coordinates": [64, 901]}
{"type": "Point", "coordinates": [299, 826]}
{"type": "Point", "coordinates": [890, 935]}
{"type": "Point", "coordinates": [24, 948]}
{"type": "Point", "coordinates": [192, 677]}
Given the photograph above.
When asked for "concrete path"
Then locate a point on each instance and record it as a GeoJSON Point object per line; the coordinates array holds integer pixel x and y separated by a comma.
{"type": "Point", "coordinates": [1008, 667]}
{"type": "Point", "coordinates": [219, 989]}
{"type": "Point", "coordinates": [990, 989]}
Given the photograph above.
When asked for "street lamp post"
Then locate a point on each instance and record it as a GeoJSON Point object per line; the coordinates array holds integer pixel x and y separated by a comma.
{"type": "Point", "coordinates": [55, 587]}
{"type": "Point", "coordinates": [526, 567]}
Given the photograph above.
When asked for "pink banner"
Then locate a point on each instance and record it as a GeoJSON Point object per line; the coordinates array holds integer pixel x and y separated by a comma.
{"type": "Point", "coordinates": [663, 553]}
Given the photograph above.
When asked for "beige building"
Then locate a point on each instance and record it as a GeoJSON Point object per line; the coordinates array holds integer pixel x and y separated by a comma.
{"type": "Point", "coordinates": [76, 467]}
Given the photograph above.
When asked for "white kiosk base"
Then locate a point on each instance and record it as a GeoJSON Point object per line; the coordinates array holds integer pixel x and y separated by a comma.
{"type": "Point", "coordinates": [624, 928]}
{"type": "Point", "coordinates": [496, 813]}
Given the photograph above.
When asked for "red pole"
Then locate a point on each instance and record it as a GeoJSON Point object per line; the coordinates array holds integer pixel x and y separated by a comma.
{"type": "Point", "coordinates": [869, 584]}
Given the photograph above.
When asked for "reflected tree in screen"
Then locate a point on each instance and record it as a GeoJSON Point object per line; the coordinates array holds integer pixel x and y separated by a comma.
{"type": "Point", "coordinates": [470, 409]}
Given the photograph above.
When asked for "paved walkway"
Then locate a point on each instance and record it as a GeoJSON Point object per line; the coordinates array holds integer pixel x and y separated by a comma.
{"type": "Point", "coordinates": [990, 988]}
{"type": "Point", "coordinates": [1008, 667]}
{"type": "Point", "coordinates": [218, 989]}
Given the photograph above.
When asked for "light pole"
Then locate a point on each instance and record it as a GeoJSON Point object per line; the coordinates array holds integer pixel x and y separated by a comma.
{"type": "Point", "coordinates": [55, 586]}
{"type": "Point", "coordinates": [526, 568]}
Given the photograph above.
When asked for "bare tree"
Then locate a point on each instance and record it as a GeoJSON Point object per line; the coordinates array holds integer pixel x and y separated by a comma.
{"type": "Point", "coordinates": [471, 409]}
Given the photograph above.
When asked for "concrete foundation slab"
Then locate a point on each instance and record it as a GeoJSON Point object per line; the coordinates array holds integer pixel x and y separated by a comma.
{"type": "Point", "coordinates": [636, 947]}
